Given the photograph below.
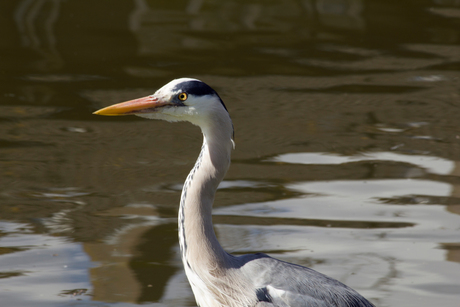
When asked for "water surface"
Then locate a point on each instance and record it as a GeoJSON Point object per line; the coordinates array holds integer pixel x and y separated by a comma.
{"type": "Point", "coordinates": [347, 145]}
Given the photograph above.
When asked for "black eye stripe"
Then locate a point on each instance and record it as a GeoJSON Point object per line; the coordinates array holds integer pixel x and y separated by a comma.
{"type": "Point", "coordinates": [196, 88]}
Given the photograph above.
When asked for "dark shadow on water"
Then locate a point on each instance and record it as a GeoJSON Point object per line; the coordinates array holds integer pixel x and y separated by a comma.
{"type": "Point", "coordinates": [16, 144]}
{"type": "Point", "coordinates": [363, 89]}
{"type": "Point", "coordinates": [270, 221]}
{"type": "Point", "coordinates": [153, 269]}
{"type": "Point", "coordinates": [422, 200]}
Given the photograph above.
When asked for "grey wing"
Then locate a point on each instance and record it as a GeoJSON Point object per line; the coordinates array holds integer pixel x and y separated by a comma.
{"type": "Point", "coordinates": [279, 284]}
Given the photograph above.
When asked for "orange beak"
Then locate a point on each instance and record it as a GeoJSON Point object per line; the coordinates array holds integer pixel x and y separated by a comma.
{"type": "Point", "coordinates": [141, 105]}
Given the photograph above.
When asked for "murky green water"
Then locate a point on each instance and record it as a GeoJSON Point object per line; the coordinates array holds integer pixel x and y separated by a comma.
{"type": "Point", "coordinates": [347, 153]}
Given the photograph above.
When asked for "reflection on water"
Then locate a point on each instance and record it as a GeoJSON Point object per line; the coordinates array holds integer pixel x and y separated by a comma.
{"type": "Point", "coordinates": [346, 160]}
{"type": "Point", "coordinates": [42, 270]}
{"type": "Point", "coordinates": [35, 21]}
{"type": "Point", "coordinates": [433, 165]}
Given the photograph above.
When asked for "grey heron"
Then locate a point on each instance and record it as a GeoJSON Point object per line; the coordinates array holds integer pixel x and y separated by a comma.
{"type": "Point", "coordinates": [218, 278]}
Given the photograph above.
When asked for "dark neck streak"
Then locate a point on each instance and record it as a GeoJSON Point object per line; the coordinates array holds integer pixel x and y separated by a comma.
{"type": "Point", "coordinates": [181, 219]}
{"type": "Point", "coordinates": [201, 252]}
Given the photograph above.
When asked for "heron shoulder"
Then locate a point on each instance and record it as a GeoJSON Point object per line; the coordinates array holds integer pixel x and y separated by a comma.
{"type": "Point", "coordinates": [281, 283]}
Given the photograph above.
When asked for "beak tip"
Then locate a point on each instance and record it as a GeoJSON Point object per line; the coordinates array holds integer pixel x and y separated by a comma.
{"type": "Point", "coordinates": [108, 111]}
{"type": "Point", "coordinates": [98, 112]}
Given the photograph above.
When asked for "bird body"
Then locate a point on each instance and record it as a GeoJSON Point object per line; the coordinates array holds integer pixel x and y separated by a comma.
{"type": "Point", "coordinates": [217, 278]}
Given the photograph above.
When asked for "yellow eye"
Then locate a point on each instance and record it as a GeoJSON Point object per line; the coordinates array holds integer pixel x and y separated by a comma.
{"type": "Point", "coordinates": [182, 96]}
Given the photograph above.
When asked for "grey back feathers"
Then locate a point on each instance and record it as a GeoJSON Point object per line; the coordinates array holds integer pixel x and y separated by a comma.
{"type": "Point", "coordinates": [279, 283]}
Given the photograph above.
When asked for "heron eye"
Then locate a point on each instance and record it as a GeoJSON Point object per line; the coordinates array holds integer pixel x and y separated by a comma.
{"type": "Point", "coordinates": [182, 96]}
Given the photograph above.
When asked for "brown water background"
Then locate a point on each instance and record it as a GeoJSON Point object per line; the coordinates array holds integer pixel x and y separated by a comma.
{"type": "Point", "coordinates": [347, 153]}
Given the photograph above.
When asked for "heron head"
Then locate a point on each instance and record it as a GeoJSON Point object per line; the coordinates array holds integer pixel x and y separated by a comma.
{"type": "Point", "coordinates": [182, 99]}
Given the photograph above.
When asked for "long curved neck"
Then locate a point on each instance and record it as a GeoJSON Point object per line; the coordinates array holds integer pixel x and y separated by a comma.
{"type": "Point", "coordinates": [201, 252]}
